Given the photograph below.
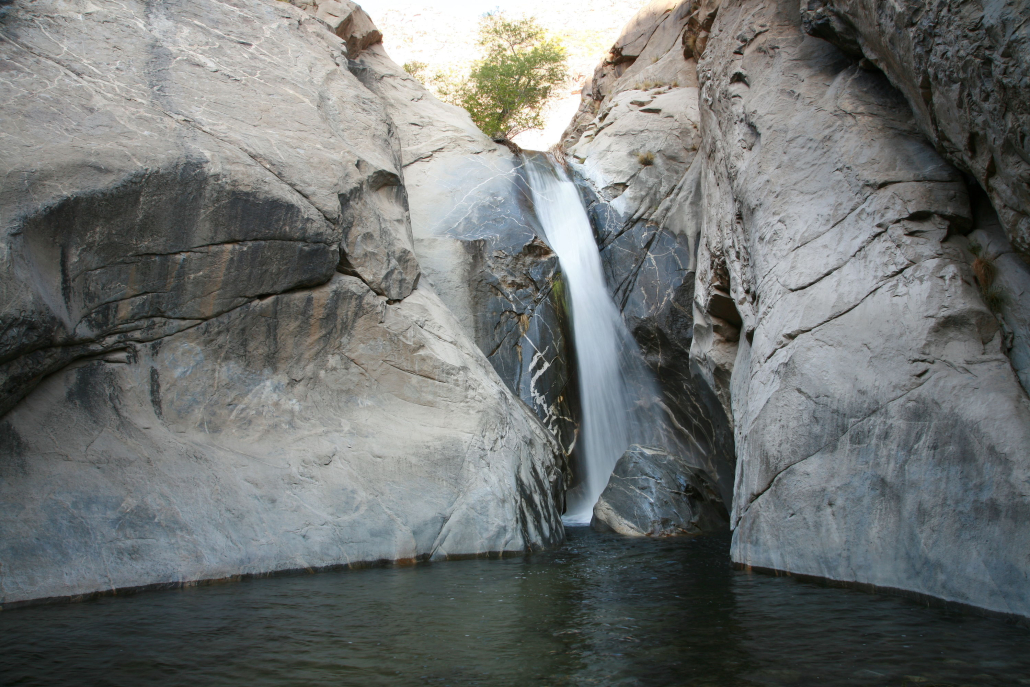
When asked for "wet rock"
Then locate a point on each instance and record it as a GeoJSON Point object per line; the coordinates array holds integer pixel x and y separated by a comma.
{"type": "Point", "coordinates": [646, 212]}
{"type": "Point", "coordinates": [478, 242]}
{"type": "Point", "coordinates": [652, 493]}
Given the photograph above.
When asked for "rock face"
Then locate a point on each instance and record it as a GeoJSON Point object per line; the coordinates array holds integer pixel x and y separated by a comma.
{"type": "Point", "coordinates": [218, 356]}
{"type": "Point", "coordinates": [881, 432]}
{"type": "Point", "coordinates": [636, 158]}
{"type": "Point", "coordinates": [964, 67]}
{"type": "Point", "coordinates": [839, 318]}
{"type": "Point", "coordinates": [1006, 283]}
{"type": "Point", "coordinates": [654, 494]}
{"type": "Point", "coordinates": [345, 19]}
{"type": "Point", "coordinates": [478, 241]}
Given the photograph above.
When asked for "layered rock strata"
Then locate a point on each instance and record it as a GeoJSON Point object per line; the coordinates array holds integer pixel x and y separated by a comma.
{"type": "Point", "coordinates": [218, 355]}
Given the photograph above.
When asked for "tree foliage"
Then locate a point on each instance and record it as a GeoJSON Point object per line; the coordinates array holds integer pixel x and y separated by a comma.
{"type": "Point", "coordinates": [417, 70]}
{"type": "Point", "coordinates": [521, 70]}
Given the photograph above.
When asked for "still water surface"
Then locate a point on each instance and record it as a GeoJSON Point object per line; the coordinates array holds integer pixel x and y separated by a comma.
{"type": "Point", "coordinates": [604, 610]}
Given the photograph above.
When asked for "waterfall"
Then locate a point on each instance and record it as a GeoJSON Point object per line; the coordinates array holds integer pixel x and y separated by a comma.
{"type": "Point", "coordinates": [614, 384]}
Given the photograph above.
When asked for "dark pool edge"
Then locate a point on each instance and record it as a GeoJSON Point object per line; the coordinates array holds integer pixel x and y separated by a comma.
{"type": "Point", "coordinates": [921, 598]}
{"type": "Point", "coordinates": [421, 559]}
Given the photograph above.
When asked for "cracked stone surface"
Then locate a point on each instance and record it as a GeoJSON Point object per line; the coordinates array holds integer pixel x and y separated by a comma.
{"type": "Point", "coordinates": [478, 242]}
{"type": "Point", "coordinates": [964, 68]}
{"type": "Point", "coordinates": [216, 353]}
{"type": "Point", "coordinates": [318, 427]}
{"type": "Point", "coordinates": [654, 494]}
{"type": "Point", "coordinates": [881, 431]}
{"type": "Point", "coordinates": [647, 216]}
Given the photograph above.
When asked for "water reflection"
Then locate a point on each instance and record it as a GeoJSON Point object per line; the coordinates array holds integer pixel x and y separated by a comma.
{"type": "Point", "coordinates": [603, 611]}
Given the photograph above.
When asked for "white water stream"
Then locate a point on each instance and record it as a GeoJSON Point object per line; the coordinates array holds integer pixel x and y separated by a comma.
{"type": "Point", "coordinates": [614, 384]}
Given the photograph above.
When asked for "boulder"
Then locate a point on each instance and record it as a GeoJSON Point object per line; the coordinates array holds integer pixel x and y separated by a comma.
{"type": "Point", "coordinates": [654, 494]}
{"type": "Point", "coordinates": [881, 432]}
{"type": "Point", "coordinates": [153, 195]}
{"type": "Point", "coordinates": [218, 356]}
{"type": "Point", "coordinates": [346, 19]}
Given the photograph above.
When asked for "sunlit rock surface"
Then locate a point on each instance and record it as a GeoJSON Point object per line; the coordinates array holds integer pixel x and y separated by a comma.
{"type": "Point", "coordinates": [479, 243]}
{"type": "Point", "coordinates": [218, 354]}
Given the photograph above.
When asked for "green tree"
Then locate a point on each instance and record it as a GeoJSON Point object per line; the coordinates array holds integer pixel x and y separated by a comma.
{"type": "Point", "coordinates": [521, 69]}
{"type": "Point", "coordinates": [417, 70]}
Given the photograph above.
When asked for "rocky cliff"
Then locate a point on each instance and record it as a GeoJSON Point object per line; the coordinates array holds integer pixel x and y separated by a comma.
{"type": "Point", "coordinates": [857, 299]}
{"type": "Point", "coordinates": [220, 354]}
{"type": "Point", "coordinates": [634, 148]}
{"type": "Point", "coordinates": [964, 68]}
{"type": "Point", "coordinates": [269, 305]}
{"type": "Point", "coordinates": [479, 242]}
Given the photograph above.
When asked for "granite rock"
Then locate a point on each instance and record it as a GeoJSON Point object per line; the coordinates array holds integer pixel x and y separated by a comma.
{"type": "Point", "coordinates": [314, 428]}
{"type": "Point", "coordinates": [964, 68]}
{"type": "Point", "coordinates": [638, 171]}
{"type": "Point", "coordinates": [880, 429]}
{"type": "Point", "coordinates": [654, 494]}
{"type": "Point", "coordinates": [479, 243]}
{"type": "Point", "coordinates": [217, 354]}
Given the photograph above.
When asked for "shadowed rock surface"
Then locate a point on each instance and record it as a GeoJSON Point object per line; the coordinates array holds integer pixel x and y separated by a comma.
{"type": "Point", "coordinates": [838, 321]}
{"type": "Point", "coordinates": [218, 357]}
{"type": "Point", "coordinates": [881, 431]}
{"type": "Point", "coordinates": [1009, 277]}
{"type": "Point", "coordinates": [635, 159]}
{"type": "Point", "coordinates": [654, 494]}
{"type": "Point", "coordinates": [964, 68]}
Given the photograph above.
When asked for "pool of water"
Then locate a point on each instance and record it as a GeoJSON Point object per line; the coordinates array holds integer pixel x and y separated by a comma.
{"type": "Point", "coordinates": [604, 610]}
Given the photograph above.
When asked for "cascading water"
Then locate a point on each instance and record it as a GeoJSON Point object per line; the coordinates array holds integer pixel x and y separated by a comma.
{"type": "Point", "coordinates": [614, 384]}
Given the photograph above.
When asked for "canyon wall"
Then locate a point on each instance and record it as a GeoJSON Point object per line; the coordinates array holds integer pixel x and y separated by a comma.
{"type": "Point", "coordinates": [869, 368]}
{"type": "Point", "coordinates": [220, 354]}
{"type": "Point", "coordinates": [479, 243]}
{"type": "Point", "coordinates": [269, 305]}
{"type": "Point", "coordinates": [964, 68]}
{"type": "Point", "coordinates": [633, 147]}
